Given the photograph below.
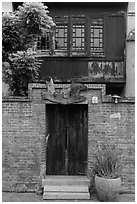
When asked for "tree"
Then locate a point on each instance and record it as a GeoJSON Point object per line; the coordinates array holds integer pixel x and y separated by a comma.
{"type": "Point", "coordinates": [19, 33]}
{"type": "Point", "coordinates": [23, 68]}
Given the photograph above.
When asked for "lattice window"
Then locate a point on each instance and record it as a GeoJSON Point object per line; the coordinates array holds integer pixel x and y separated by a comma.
{"type": "Point", "coordinates": [85, 37]}
{"type": "Point", "coordinates": [61, 37]}
{"type": "Point", "coordinates": [96, 42]}
{"type": "Point", "coordinates": [78, 37]}
{"type": "Point", "coordinates": [61, 34]}
{"type": "Point", "coordinates": [43, 42]}
{"type": "Point", "coordinates": [78, 34]}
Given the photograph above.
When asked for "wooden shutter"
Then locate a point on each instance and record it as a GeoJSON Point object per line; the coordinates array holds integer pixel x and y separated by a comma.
{"type": "Point", "coordinates": [114, 36]}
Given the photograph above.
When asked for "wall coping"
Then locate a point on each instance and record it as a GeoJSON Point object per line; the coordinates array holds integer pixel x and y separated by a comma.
{"type": "Point", "coordinates": [31, 86]}
{"type": "Point", "coordinates": [15, 99]}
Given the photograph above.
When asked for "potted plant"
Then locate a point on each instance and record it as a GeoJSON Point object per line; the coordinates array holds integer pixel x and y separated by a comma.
{"type": "Point", "coordinates": [106, 168]}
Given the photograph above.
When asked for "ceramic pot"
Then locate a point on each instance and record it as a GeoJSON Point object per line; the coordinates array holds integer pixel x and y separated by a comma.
{"type": "Point", "coordinates": [107, 189]}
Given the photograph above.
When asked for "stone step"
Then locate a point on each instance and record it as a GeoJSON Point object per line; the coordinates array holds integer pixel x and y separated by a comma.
{"type": "Point", "coordinates": [66, 180]}
{"type": "Point", "coordinates": [65, 196]}
{"type": "Point", "coordinates": [66, 188]}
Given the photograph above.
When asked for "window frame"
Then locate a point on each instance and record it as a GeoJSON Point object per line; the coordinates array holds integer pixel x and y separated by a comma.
{"type": "Point", "coordinates": [97, 53]}
{"type": "Point", "coordinates": [60, 52]}
{"type": "Point", "coordinates": [70, 52]}
{"type": "Point", "coordinates": [76, 20]}
{"type": "Point", "coordinates": [48, 34]}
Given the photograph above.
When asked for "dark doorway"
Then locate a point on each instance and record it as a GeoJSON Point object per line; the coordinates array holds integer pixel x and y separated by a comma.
{"type": "Point", "coordinates": [67, 144]}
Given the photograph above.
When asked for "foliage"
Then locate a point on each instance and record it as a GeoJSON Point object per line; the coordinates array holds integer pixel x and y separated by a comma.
{"type": "Point", "coordinates": [19, 33]}
{"type": "Point", "coordinates": [34, 18]}
{"type": "Point", "coordinates": [10, 35]}
{"type": "Point", "coordinates": [23, 68]}
{"type": "Point", "coordinates": [106, 161]}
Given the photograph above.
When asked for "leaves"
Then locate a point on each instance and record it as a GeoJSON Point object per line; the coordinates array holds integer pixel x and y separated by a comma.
{"type": "Point", "coordinates": [10, 34]}
{"type": "Point", "coordinates": [24, 67]}
{"type": "Point", "coordinates": [19, 32]}
{"type": "Point", "coordinates": [34, 18]}
{"type": "Point", "coordinates": [106, 161]}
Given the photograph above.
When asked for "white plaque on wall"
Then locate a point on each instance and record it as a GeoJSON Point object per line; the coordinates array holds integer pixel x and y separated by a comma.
{"type": "Point", "coordinates": [94, 99]}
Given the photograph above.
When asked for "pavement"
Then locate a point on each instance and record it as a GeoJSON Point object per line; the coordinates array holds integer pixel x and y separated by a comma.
{"type": "Point", "coordinates": [33, 197]}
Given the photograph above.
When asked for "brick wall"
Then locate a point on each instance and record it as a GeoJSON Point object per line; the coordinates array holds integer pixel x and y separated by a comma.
{"type": "Point", "coordinates": [115, 124]}
{"type": "Point", "coordinates": [24, 131]}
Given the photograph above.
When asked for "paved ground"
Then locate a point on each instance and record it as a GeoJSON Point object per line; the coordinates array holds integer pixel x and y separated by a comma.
{"type": "Point", "coordinates": [33, 197]}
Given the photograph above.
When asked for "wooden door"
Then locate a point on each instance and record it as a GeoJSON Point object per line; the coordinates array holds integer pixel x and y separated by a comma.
{"type": "Point", "coordinates": [67, 144]}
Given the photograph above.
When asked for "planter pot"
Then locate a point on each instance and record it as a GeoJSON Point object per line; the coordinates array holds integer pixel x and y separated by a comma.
{"type": "Point", "coordinates": [107, 189]}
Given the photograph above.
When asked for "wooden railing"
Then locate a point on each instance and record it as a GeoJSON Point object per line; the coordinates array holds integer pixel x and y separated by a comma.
{"type": "Point", "coordinates": [83, 70]}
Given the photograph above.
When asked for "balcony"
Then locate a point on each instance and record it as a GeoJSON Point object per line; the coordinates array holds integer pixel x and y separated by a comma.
{"type": "Point", "coordinates": [83, 70]}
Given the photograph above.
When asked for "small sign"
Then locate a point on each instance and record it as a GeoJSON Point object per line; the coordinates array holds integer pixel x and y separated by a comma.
{"type": "Point", "coordinates": [94, 99]}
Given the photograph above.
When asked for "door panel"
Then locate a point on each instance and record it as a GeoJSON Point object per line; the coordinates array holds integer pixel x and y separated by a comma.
{"type": "Point", "coordinates": [77, 146]}
{"type": "Point", "coordinates": [56, 142]}
{"type": "Point", "coordinates": [67, 145]}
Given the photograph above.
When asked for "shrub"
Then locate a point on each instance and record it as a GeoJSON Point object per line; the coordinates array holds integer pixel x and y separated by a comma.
{"type": "Point", "coordinates": [106, 161]}
{"type": "Point", "coordinates": [23, 68]}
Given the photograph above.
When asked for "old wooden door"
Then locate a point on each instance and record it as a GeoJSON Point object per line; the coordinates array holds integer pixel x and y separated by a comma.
{"type": "Point", "coordinates": [67, 144]}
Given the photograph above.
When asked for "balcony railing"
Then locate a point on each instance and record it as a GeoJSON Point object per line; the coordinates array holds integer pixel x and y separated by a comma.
{"type": "Point", "coordinates": [81, 69]}
{"type": "Point", "coordinates": [107, 70]}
